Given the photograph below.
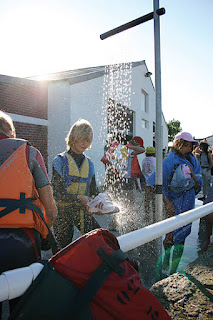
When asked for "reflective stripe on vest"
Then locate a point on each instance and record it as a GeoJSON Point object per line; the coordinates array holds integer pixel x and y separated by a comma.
{"type": "Point", "coordinates": [19, 203]}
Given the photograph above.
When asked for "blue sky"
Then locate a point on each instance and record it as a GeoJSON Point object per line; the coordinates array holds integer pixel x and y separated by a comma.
{"type": "Point", "coordinates": [39, 37]}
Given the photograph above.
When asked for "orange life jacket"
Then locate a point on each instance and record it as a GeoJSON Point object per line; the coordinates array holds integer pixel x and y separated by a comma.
{"type": "Point", "coordinates": [20, 206]}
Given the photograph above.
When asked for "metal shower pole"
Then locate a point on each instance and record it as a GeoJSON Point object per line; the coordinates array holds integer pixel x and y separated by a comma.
{"type": "Point", "coordinates": [158, 109]}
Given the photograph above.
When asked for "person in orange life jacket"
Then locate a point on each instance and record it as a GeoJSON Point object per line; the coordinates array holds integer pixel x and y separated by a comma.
{"type": "Point", "coordinates": [22, 175]}
{"type": "Point", "coordinates": [73, 175]}
{"type": "Point", "coordinates": [135, 147]}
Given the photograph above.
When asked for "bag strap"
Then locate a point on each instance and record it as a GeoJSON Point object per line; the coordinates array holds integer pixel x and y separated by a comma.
{"type": "Point", "coordinates": [172, 174]}
{"type": "Point", "coordinates": [14, 204]}
{"type": "Point", "coordinates": [23, 203]}
{"type": "Point", "coordinates": [110, 264]}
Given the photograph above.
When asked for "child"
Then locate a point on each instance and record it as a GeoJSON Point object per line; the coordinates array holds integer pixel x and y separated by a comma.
{"type": "Point", "coordinates": [73, 178]}
{"type": "Point", "coordinates": [74, 174]}
{"type": "Point", "coordinates": [148, 167]}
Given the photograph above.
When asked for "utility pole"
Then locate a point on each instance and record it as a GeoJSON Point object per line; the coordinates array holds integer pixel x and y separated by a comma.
{"type": "Point", "coordinates": [158, 110]}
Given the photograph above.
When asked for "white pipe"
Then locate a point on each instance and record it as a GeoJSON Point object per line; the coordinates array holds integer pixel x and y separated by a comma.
{"type": "Point", "coordinates": [15, 282]}
{"type": "Point", "coordinates": [139, 237]}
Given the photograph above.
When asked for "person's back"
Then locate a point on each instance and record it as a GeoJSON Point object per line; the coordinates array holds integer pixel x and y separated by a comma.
{"type": "Point", "coordinates": [206, 165]}
{"type": "Point", "coordinates": [148, 167]}
{"type": "Point", "coordinates": [25, 194]}
{"type": "Point", "coordinates": [149, 163]}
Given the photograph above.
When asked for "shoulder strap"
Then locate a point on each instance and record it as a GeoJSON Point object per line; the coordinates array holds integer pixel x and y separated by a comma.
{"type": "Point", "coordinates": [58, 163]}
{"type": "Point", "coordinates": [170, 180]}
{"type": "Point", "coordinates": [172, 174]}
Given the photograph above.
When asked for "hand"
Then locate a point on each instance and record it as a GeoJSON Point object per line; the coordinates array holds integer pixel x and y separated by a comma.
{"type": "Point", "coordinates": [85, 201]}
{"type": "Point", "coordinates": [190, 168]}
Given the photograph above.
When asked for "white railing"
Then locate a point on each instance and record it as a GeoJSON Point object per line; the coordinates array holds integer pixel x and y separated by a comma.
{"type": "Point", "coordinates": [139, 237]}
{"type": "Point", "coordinates": [15, 282]}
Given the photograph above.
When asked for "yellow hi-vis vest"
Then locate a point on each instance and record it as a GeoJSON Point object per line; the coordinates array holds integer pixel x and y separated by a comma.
{"type": "Point", "coordinates": [77, 181]}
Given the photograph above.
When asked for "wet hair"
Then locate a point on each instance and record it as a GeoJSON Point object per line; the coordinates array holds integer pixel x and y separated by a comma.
{"type": "Point", "coordinates": [6, 124]}
{"type": "Point", "coordinates": [80, 131]}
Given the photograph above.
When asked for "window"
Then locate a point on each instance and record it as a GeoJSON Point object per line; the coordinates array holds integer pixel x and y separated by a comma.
{"type": "Point", "coordinates": [145, 124]}
{"type": "Point", "coordinates": [120, 120]}
{"type": "Point", "coordinates": [144, 102]}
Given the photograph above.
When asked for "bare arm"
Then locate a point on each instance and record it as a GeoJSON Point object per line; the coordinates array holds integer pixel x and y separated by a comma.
{"type": "Point", "coordinates": [137, 150]}
{"type": "Point", "coordinates": [46, 197]}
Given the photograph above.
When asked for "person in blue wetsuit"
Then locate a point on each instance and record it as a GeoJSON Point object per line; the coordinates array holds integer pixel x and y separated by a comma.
{"type": "Point", "coordinates": [179, 192]}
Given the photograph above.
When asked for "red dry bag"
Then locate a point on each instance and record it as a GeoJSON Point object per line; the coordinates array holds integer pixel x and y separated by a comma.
{"type": "Point", "coordinates": [99, 283]}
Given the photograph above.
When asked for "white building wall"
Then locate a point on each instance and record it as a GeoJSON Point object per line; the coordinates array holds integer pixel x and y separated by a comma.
{"type": "Point", "coordinates": [165, 134]}
{"type": "Point", "coordinates": [142, 83]}
{"type": "Point", "coordinates": [87, 103]}
{"type": "Point", "coordinates": [58, 118]}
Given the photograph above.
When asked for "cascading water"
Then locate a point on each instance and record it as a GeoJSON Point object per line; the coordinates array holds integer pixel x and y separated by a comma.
{"type": "Point", "coordinates": [118, 124]}
{"type": "Point", "coordinates": [117, 97]}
